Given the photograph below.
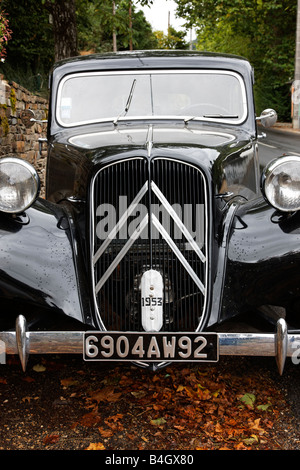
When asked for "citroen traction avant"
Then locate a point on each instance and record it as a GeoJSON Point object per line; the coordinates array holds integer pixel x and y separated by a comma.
{"type": "Point", "coordinates": [160, 238]}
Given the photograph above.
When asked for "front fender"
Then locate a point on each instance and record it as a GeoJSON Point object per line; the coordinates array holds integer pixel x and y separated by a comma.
{"type": "Point", "coordinates": [263, 263]}
{"type": "Point", "coordinates": [38, 262]}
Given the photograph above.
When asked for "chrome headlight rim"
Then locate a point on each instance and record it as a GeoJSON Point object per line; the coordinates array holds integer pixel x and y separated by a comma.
{"type": "Point", "coordinates": [34, 177]}
{"type": "Point", "coordinates": [265, 181]}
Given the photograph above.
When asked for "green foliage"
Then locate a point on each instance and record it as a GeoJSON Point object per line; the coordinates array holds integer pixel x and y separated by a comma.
{"type": "Point", "coordinates": [5, 125]}
{"type": "Point", "coordinates": [172, 40]}
{"type": "Point", "coordinates": [261, 30]}
{"type": "Point", "coordinates": [13, 100]}
{"type": "Point", "coordinates": [248, 399]}
{"type": "Point", "coordinates": [142, 36]}
{"type": "Point", "coordinates": [5, 34]}
{"type": "Point", "coordinates": [30, 51]}
{"type": "Point", "coordinates": [32, 42]}
{"type": "Point", "coordinates": [96, 23]}
{"type": "Point", "coordinates": [30, 54]}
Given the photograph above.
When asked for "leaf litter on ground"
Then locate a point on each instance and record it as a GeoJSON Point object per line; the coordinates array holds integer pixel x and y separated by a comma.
{"type": "Point", "coordinates": [124, 407]}
{"type": "Point", "coordinates": [183, 407]}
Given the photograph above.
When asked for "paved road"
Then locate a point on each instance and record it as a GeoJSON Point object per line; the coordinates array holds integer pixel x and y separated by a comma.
{"type": "Point", "coordinates": [276, 143]}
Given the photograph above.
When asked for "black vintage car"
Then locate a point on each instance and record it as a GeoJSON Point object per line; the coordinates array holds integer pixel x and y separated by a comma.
{"type": "Point", "coordinates": [160, 239]}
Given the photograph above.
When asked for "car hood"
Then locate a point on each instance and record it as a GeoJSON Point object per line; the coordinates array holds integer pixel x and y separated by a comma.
{"type": "Point", "coordinates": [159, 136]}
{"type": "Point", "coordinates": [212, 148]}
{"type": "Point", "coordinates": [195, 141]}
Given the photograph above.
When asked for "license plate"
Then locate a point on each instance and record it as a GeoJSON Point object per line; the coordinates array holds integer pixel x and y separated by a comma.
{"type": "Point", "coordinates": [151, 347]}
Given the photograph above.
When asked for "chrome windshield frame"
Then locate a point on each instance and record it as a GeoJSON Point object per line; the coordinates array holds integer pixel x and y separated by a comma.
{"type": "Point", "coordinates": [149, 72]}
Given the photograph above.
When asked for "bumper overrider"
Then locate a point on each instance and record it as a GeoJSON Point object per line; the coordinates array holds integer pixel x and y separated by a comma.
{"type": "Point", "coordinates": [23, 343]}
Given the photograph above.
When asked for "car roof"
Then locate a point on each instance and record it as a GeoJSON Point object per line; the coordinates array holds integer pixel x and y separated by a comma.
{"type": "Point", "coordinates": [155, 59]}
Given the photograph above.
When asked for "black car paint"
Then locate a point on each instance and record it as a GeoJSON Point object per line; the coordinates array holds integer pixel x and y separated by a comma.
{"type": "Point", "coordinates": [264, 259]}
{"type": "Point", "coordinates": [45, 256]}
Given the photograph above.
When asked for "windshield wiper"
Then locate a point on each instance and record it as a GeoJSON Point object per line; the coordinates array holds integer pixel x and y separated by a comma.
{"type": "Point", "coordinates": [128, 103]}
{"type": "Point", "coordinates": [220, 116]}
{"type": "Point", "coordinates": [212, 116]}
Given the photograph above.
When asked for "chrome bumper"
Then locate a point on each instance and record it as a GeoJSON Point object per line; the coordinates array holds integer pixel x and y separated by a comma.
{"type": "Point", "coordinates": [23, 342]}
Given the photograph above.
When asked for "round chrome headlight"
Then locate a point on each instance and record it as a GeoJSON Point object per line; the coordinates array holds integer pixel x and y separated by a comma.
{"type": "Point", "coordinates": [281, 183]}
{"type": "Point", "coordinates": [19, 185]}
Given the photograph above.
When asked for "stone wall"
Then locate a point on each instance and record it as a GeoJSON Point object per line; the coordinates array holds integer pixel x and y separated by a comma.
{"type": "Point", "coordinates": [15, 139]}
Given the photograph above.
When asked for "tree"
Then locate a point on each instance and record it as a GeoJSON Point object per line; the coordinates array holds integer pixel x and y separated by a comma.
{"type": "Point", "coordinates": [63, 18]}
{"type": "Point", "coordinates": [30, 51]}
{"type": "Point", "coordinates": [172, 40]}
{"type": "Point", "coordinates": [96, 23]}
{"type": "Point", "coordinates": [142, 34]}
{"type": "Point", "coordinates": [44, 30]}
{"type": "Point", "coordinates": [50, 30]}
{"type": "Point", "coordinates": [261, 30]}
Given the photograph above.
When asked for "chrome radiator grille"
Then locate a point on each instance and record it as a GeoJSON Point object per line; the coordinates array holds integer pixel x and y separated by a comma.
{"type": "Point", "coordinates": [149, 215]}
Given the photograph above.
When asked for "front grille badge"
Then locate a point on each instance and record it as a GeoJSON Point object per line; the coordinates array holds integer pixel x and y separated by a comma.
{"type": "Point", "coordinates": [152, 300]}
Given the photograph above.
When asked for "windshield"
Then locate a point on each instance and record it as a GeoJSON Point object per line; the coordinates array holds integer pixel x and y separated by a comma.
{"type": "Point", "coordinates": [92, 97]}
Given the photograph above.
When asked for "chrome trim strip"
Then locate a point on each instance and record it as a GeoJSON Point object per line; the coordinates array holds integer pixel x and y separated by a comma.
{"type": "Point", "coordinates": [177, 220]}
{"type": "Point", "coordinates": [136, 234]}
{"type": "Point", "coordinates": [176, 251]}
{"type": "Point", "coordinates": [152, 72]}
{"type": "Point", "coordinates": [230, 344]}
{"type": "Point", "coordinates": [149, 140]}
{"type": "Point", "coordinates": [120, 223]}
